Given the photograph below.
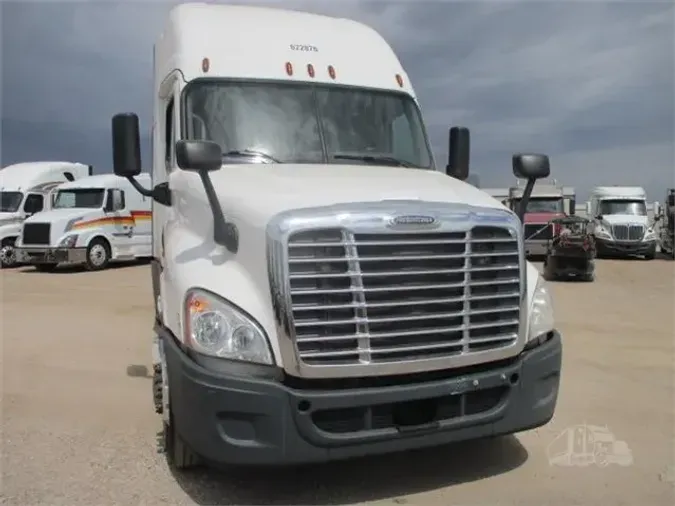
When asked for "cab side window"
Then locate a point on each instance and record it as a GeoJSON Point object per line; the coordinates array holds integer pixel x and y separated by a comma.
{"type": "Point", "coordinates": [34, 203]}
{"type": "Point", "coordinates": [169, 135]}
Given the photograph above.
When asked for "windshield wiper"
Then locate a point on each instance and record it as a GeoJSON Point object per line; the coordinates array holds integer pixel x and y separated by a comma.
{"type": "Point", "coordinates": [390, 160]}
{"type": "Point", "coordinates": [251, 153]}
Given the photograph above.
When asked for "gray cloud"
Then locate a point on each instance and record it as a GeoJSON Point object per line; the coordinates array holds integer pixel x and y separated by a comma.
{"type": "Point", "coordinates": [591, 83]}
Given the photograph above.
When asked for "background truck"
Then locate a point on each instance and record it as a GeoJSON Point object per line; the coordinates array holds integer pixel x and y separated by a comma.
{"type": "Point", "coordinates": [25, 189]}
{"type": "Point", "coordinates": [620, 221]}
{"type": "Point", "coordinates": [93, 221]}
{"type": "Point", "coordinates": [666, 216]}
{"type": "Point", "coordinates": [322, 290]}
{"type": "Point", "coordinates": [548, 201]}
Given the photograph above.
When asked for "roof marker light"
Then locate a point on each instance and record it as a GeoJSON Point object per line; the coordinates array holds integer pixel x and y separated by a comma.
{"type": "Point", "coordinates": [205, 65]}
{"type": "Point", "coordinates": [331, 71]}
{"type": "Point", "coordinates": [399, 80]}
{"type": "Point", "coordinates": [310, 70]}
{"type": "Point", "coordinates": [289, 68]}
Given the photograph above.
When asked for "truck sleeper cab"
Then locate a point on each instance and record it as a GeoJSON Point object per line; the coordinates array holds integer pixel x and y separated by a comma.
{"type": "Point", "coordinates": [620, 222]}
{"type": "Point", "coordinates": [92, 222]}
{"type": "Point", "coordinates": [322, 291]}
{"type": "Point", "coordinates": [26, 189]}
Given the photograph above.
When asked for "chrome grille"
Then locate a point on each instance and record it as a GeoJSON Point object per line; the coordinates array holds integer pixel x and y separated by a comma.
{"type": "Point", "coordinates": [368, 298]}
{"type": "Point", "coordinates": [628, 232]}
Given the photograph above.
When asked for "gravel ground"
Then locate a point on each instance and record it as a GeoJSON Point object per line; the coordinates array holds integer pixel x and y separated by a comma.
{"type": "Point", "coordinates": [78, 426]}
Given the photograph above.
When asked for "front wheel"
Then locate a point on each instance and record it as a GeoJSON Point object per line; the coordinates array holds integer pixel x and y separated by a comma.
{"type": "Point", "coordinates": [8, 254]}
{"type": "Point", "coordinates": [98, 254]}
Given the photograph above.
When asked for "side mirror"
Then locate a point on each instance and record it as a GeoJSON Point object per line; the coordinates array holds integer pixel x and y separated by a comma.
{"type": "Point", "coordinates": [459, 148]}
{"type": "Point", "coordinates": [531, 166]}
{"type": "Point", "coordinates": [199, 156]}
{"type": "Point", "coordinates": [573, 206]}
{"type": "Point", "coordinates": [126, 145]}
{"type": "Point", "coordinates": [588, 210]}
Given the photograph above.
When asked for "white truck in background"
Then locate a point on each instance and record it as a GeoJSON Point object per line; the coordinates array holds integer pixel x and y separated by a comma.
{"type": "Point", "coordinates": [28, 188]}
{"type": "Point", "coordinates": [93, 221]}
{"type": "Point", "coordinates": [322, 290]}
{"type": "Point", "coordinates": [620, 222]}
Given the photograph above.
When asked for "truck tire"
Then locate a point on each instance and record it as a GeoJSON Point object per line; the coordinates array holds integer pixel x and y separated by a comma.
{"type": "Point", "coordinates": [45, 267]}
{"type": "Point", "coordinates": [98, 254]}
{"type": "Point", "coordinates": [7, 253]}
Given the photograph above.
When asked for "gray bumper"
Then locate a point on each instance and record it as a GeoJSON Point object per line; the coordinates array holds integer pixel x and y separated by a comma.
{"type": "Point", "coordinates": [230, 419]}
{"type": "Point", "coordinates": [605, 247]}
{"type": "Point", "coordinates": [29, 255]}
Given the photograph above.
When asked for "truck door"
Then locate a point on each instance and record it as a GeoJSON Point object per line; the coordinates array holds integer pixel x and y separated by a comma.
{"type": "Point", "coordinates": [122, 221]}
{"type": "Point", "coordinates": [166, 128]}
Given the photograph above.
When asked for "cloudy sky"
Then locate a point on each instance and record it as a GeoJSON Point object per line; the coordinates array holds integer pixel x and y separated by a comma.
{"type": "Point", "coordinates": [591, 83]}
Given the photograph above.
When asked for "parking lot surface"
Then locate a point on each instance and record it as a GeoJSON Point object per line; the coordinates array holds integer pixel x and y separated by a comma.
{"type": "Point", "coordinates": [78, 426]}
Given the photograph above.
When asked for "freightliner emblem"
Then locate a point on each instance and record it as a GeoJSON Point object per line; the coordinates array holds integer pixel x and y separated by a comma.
{"type": "Point", "coordinates": [412, 220]}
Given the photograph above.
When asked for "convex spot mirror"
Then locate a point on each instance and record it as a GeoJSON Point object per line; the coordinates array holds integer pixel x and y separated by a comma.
{"type": "Point", "coordinates": [199, 156]}
{"type": "Point", "coordinates": [531, 166]}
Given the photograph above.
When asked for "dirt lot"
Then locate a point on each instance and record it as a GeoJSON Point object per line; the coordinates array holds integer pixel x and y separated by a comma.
{"type": "Point", "coordinates": [79, 428]}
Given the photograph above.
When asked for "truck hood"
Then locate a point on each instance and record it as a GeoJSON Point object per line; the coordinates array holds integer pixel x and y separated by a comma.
{"type": "Point", "coordinates": [6, 218]}
{"type": "Point", "coordinates": [62, 219]}
{"type": "Point", "coordinates": [258, 192]}
{"type": "Point", "coordinates": [625, 219]}
{"type": "Point", "coordinates": [541, 217]}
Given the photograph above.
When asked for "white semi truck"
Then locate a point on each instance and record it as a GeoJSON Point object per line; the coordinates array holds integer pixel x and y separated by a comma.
{"type": "Point", "coordinates": [93, 221]}
{"type": "Point", "coordinates": [322, 291]}
{"type": "Point", "coordinates": [26, 189]}
{"type": "Point", "coordinates": [621, 224]}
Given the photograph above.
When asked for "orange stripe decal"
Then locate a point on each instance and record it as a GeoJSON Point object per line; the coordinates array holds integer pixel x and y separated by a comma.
{"type": "Point", "coordinates": [115, 220]}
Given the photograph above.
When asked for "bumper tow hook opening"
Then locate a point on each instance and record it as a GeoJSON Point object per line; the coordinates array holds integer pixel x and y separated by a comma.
{"type": "Point", "coordinates": [514, 378]}
{"type": "Point", "coordinates": [304, 406]}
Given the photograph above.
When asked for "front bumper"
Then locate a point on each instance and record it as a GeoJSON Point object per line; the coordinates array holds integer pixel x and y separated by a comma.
{"type": "Point", "coordinates": [230, 419]}
{"type": "Point", "coordinates": [609, 247]}
{"type": "Point", "coordinates": [30, 255]}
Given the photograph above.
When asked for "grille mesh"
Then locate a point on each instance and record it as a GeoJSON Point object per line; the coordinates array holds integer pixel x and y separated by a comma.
{"type": "Point", "coordinates": [395, 297]}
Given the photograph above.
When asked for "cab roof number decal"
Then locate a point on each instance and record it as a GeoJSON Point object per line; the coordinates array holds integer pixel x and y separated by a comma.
{"type": "Point", "coordinates": [304, 47]}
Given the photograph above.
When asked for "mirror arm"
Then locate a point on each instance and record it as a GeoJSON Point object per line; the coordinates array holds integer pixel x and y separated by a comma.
{"type": "Point", "coordinates": [137, 186]}
{"type": "Point", "coordinates": [525, 199]}
{"type": "Point", "coordinates": [224, 233]}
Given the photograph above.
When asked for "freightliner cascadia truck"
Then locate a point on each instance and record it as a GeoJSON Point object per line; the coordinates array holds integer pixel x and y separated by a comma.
{"type": "Point", "coordinates": [322, 291]}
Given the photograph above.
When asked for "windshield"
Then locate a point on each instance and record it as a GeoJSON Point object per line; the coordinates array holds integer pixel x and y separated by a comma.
{"type": "Point", "coordinates": [10, 201]}
{"type": "Point", "coordinates": [81, 197]}
{"type": "Point", "coordinates": [634, 207]}
{"type": "Point", "coordinates": [543, 205]}
{"type": "Point", "coordinates": [300, 123]}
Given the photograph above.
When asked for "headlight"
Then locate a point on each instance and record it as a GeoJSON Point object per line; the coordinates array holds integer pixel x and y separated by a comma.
{"type": "Point", "coordinates": [68, 242]}
{"type": "Point", "coordinates": [603, 233]}
{"type": "Point", "coordinates": [216, 328]}
{"type": "Point", "coordinates": [650, 234]}
{"type": "Point", "coordinates": [541, 311]}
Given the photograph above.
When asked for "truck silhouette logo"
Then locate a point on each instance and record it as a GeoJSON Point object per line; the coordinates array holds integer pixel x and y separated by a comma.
{"type": "Point", "coordinates": [585, 445]}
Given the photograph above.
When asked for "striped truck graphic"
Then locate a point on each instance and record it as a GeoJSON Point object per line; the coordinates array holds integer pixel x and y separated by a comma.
{"type": "Point", "coordinates": [136, 216]}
